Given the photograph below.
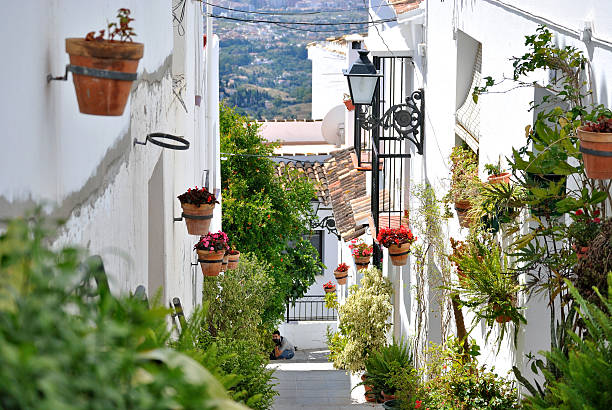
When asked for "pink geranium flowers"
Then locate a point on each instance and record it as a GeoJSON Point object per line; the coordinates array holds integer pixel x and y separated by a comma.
{"type": "Point", "coordinates": [213, 242]}
{"type": "Point", "coordinates": [360, 249]}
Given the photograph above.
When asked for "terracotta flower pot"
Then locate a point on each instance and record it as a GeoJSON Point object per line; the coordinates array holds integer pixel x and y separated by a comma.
{"type": "Point", "coordinates": [330, 290]}
{"type": "Point", "coordinates": [349, 105]}
{"type": "Point", "coordinates": [501, 178]}
{"type": "Point", "coordinates": [341, 277]}
{"type": "Point", "coordinates": [462, 208]}
{"type": "Point", "coordinates": [581, 252]}
{"type": "Point", "coordinates": [596, 148]}
{"type": "Point", "coordinates": [369, 394]}
{"type": "Point", "coordinates": [232, 261]}
{"type": "Point", "coordinates": [224, 263]}
{"type": "Point", "coordinates": [387, 397]}
{"type": "Point", "coordinates": [399, 254]}
{"type": "Point", "coordinates": [97, 95]}
{"type": "Point", "coordinates": [502, 318]}
{"type": "Point", "coordinates": [198, 218]}
{"type": "Point", "coordinates": [210, 262]}
{"type": "Point", "coordinates": [362, 262]}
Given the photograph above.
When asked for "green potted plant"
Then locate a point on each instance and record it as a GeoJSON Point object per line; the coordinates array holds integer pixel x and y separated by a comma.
{"type": "Point", "coordinates": [583, 230]}
{"type": "Point", "coordinates": [464, 181]}
{"type": "Point", "coordinates": [329, 287]}
{"type": "Point", "coordinates": [361, 252]}
{"type": "Point", "coordinates": [233, 258]}
{"type": "Point", "coordinates": [398, 241]}
{"type": "Point", "coordinates": [341, 273]}
{"type": "Point", "coordinates": [116, 55]}
{"type": "Point", "coordinates": [596, 147]}
{"type": "Point", "coordinates": [382, 364]}
{"type": "Point", "coordinates": [489, 286]}
{"type": "Point", "coordinates": [211, 250]}
{"type": "Point", "coordinates": [198, 205]}
{"type": "Point", "coordinates": [496, 174]}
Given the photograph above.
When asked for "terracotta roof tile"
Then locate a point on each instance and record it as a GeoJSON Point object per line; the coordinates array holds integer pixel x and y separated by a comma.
{"type": "Point", "coordinates": [402, 6]}
{"type": "Point", "coordinates": [314, 171]}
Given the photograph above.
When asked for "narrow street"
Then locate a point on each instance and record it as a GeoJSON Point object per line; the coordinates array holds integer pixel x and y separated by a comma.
{"type": "Point", "coordinates": [309, 381]}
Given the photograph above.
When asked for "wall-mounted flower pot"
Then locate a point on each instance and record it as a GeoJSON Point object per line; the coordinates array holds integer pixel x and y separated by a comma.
{"type": "Point", "coordinates": [596, 148]}
{"type": "Point", "coordinates": [233, 260]}
{"type": "Point", "coordinates": [362, 262]}
{"type": "Point", "coordinates": [462, 208]}
{"type": "Point", "coordinates": [349, 104]}
{"type": "Point", "coordinates": [330, 290]}
{"type": "Point", "coordinates": [198, 218]}
{"type": "Point", "coordinates": [224, 263]}
{"type": "Point", "coordinates": [399, 254]}
{"type": "Point", "coordinates": [97, 94]}
{"type": "Point", "coordinates": [504, 178]}
{"type": "Point", "coordinates": [341, 277]}
{"type": "Point", "coordinates": [210, 261]}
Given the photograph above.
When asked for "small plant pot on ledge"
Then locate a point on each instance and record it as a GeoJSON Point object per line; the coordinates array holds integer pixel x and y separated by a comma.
{"type": "Point", "coordinates": [97, 94]}
{"type": "Point", "coordinates": [341, 277]}
{"type": "Point", "coordinates": [499, 179]}
{"type": "Point", "coordinates": [233, 260]}
{"type": "Point", "coordinates": [399, 254]}
{"type": "Point", "coordinates": [198, 218]}
{"type": "Point", "coordinates": [369, 394]}
{"type": "Point", "coordinates": [210, 262]}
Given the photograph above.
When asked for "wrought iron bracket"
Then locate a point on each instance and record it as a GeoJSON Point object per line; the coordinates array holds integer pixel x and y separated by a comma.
{"type": "Point", "coordinates": [157, 137]}
{"type": "Point", "coordinates": [93, 72]}
{"type": "Point", "coordinates": [329, 224]}
{"type": "Point", "coordinates": [406, 119]}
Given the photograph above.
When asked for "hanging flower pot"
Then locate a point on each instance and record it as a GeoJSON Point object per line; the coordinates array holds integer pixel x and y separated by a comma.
{"type": "Point", "coordinates": [501, 318]}
{"type": "Point", "coordinates": [198, 205]}
{"type": "Point", "coordinates": [329, 287]}
{"type": "Point", "coordinates": [234, 258]}
{"type": "Point", "coordinates": [211, 249]}
{"type": "Point", "coordinates": [596, 148]}
{"type": "Point", "coordinates": [462, 208]}
{"type": "Point", "coordinates": [103, 70]}
{"type": "Point", "coordinates": [361, 253]}
{"type": "Point", "coordinates": [349, 104]}
{"type": "Point", "coordinates": [398, 241]}
{"type": "Point", "coordinates": [225, 262]}
{"type": "Point", "coordinates": [341, 273]}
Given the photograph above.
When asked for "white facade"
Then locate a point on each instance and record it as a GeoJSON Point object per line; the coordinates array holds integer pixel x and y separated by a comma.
{"type": "Point", "coordinates": [119, 200]}
{"type": "Point", "coordinates": [443, 38]}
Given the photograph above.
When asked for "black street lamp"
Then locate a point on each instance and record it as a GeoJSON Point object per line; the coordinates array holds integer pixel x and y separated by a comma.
{"type": "Point", "coordinates": [406, 119]}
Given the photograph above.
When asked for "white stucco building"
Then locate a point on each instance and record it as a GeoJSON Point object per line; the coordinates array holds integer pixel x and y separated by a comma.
{"type": "Point", "coordinates": [119, 199]}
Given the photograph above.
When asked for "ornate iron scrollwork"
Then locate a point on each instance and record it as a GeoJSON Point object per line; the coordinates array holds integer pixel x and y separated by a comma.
{"type": "Point", "coordinates": [406, 119]}
{"type": "Point", "coordinates": [327, 223]}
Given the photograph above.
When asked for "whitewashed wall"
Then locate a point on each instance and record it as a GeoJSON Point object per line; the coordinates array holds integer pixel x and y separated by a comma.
{"type": "Point", "coordinates": [85, 168]}
{"type": "Point", "coordinates": [500, 27]}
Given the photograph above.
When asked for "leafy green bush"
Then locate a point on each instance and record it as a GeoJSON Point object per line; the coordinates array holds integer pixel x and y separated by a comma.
{"type": "Point", "coordinates": [363, 322]}
{"type": "Point", "coordinates": [585, 380]}
{"type": "Point", "coordinates": [68, 343]}
{"type": "Point", "coordinates": [237, 301]}
{"type": "Point", "coordinates": [265, 213]}
{"type": "Point", "coordinates": [385, 362]}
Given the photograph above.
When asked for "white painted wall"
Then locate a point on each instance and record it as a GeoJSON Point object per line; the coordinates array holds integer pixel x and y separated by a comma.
{"type": "Point", "coordinates": [85, 167]}
{"type": "Point", "coordinates": [328, 82]}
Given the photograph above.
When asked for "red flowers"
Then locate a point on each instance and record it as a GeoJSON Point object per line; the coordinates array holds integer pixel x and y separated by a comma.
{"type": "Point", "coordinates": [329, 285]}
{"type": "Point", "coordinates": [343, 267]}
{"type": "Point", "coordinates": [197, 197]}
{"type": "Point", "coordinates": [359, 248]}
{"type": "Point", "coordinates": [417, 404]}
{"type": "Point", "coordinates": [395, 236]}
{"type": "Point", "coordinates": [596, 220]}
{"type": "Point", "coordinates": [579, 212]}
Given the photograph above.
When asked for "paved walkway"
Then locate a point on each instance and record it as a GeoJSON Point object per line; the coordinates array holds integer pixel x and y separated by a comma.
{"type": "Point", "coordinates": [309, 381]}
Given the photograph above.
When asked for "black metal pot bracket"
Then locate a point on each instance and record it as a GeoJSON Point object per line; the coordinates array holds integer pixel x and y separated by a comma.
{"type": "Point", "coordinates": [198, 217]}
{"type": "Point", "coordinates": [93, 72]}
{"type": "Point", "coordinates": [157, 138]}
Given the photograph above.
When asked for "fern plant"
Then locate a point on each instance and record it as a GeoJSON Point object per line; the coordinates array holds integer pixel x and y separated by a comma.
{"type": "Point", "coordinates": [381, 364]}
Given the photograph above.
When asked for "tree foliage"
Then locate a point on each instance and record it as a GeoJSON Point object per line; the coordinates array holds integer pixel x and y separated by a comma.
{"type": "Point", "coordinates": [266, 213]}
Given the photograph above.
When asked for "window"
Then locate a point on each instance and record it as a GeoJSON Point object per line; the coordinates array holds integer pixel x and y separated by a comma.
{"type": "Point", "coordinates": [317, 241]}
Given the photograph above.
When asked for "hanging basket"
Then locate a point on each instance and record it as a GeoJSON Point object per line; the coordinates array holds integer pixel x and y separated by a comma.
{"type": "Point", "coordinates": [349, 104]}
{"type": "Point", "coordinates": [362, 262]}
{"type": "Point", "coordinates": [503, 178]}
{"type": "Point", "coordinates": [102, 73]}
{"type": "Point", "coordinates": [596, 148]}
{"type": "Point", "coordinates": [198, 218]}
{"type": "Point", "coordinates": [330, 290]}
{"type": "Point", "coordinates": [341, 277]}
{"type": "Point", "coordinates": [462, 208]}
{"type": "Point", "coordinates": [210, 262]}
{"type": "Point", "coordinates": [399, 254]}
{"type": "Point", "coordinates": [232, 261]}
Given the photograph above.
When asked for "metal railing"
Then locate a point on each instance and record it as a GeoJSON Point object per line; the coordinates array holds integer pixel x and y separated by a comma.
{"type": "Point", "coordinates": [310, 308]}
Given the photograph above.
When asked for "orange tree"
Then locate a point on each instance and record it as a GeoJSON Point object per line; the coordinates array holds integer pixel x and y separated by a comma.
{"type": "Point", "coordinates": [264, 213]}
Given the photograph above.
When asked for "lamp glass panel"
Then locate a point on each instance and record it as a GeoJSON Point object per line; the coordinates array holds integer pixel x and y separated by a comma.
{"type": "Point", "coordinates": [362, 88]}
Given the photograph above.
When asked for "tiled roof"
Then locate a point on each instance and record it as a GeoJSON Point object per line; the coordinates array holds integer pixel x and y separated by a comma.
{"type": "Point", "coordinates": [403, 6]}
{"type": "Point", "coordinates": [347, 185]}
{"type": "Point", "coordinates": [314, 171]}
